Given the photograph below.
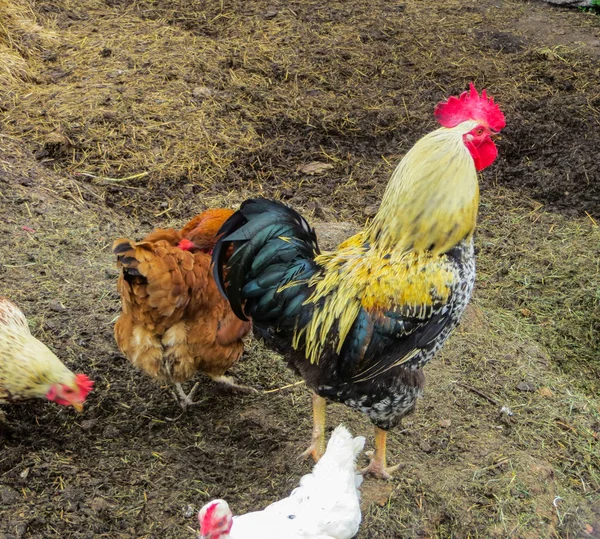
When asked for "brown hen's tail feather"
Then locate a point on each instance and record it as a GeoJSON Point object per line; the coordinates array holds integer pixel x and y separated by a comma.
{"type": "Point", "coordinates": [125, 251]}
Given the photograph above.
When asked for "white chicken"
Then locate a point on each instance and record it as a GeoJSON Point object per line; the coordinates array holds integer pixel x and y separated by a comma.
{"type": "Point", "coordinates": [324, 506]}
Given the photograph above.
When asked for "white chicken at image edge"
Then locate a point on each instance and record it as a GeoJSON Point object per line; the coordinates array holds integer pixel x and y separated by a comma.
{"type": "Point", "coordinates": [324, 506]}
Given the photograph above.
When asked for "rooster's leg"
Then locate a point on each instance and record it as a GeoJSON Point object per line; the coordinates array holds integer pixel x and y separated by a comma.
{"type": "Point", "coordinates": [184, 399]}
{"type": "Point", "coordinates": [228, 384]}
{"type": "Point", "coordinates": [2, 417]}
{"type": "Point", "coordinates": [378, 465]}
{"type": "Point", "coordinates": [317, 446]}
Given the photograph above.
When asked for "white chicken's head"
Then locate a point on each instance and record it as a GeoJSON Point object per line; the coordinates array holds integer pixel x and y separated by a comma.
{"type": "Point", "coordinates": [215, 520]}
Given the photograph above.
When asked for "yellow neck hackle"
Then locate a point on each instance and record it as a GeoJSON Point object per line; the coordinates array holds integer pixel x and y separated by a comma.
{"type": "Point", "coordinates": [431, 201]}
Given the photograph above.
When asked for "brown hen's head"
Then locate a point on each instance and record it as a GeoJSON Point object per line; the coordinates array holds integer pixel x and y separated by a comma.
{"type": "Point", "coordinates": [201, 232]}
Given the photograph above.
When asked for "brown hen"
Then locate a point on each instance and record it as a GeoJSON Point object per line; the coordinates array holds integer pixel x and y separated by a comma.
{"type": "Point", "coordinates": [174, 321]}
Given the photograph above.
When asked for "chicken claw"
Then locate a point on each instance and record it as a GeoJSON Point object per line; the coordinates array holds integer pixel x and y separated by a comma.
{"type": "Point", "coordinates": [184, 399]}
{"type": "Point", "coordinates": [378, 465]}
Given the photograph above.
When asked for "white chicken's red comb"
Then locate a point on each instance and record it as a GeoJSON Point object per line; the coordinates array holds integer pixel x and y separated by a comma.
{"type": "Point", "coordinates": [470, 106]}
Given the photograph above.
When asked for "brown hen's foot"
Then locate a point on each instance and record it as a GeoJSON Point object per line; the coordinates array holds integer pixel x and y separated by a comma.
{"type": "Point", "coordinates": [317, 447]}
{"type": "Point", "coordinates": [378, 465]}
{"type": "Point", "coordinates": [184, 400]}
{"type": "Point", "coordinates": [227, 383]}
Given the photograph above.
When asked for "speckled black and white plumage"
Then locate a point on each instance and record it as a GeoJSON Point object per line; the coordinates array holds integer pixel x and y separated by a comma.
{"type": "Point", "coordinates": [392, 395]}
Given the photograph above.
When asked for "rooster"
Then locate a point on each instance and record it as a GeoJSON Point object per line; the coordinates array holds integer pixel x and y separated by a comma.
{"type": "Point", "coordinates": [28, 369]}
{"type": "Point", "coordinates": [174, 322]}
{"type": "Point", "coordinates": [324, 506]}
{"type": "Point", "coordinates": [359, 323]}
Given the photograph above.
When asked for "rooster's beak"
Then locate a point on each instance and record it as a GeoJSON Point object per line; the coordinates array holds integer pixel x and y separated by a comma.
{"type": "Point", "coordinates": [495, 136]}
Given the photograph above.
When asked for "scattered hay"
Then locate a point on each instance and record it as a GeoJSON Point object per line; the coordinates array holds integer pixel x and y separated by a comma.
{"type": "Point", "coordinates": [230, 96]}
{"type": "Point", "coordinates": [20, 36]}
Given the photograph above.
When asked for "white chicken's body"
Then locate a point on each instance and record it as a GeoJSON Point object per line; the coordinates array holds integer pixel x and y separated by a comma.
{"type": "Point", "coordinates": [324, 506]}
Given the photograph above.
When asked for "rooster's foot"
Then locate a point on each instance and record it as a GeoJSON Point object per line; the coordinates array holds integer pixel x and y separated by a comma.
{"type": "Point", "coordinates": [316, 450]}
{"type": "Point", "coordinates": [378, 468]}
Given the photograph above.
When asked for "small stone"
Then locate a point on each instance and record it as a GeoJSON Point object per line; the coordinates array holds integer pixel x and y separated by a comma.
{"type": "Point", "coordinates": [525, 386]}
{"type": "Point", "coordinates": [202, 92]}
{"type": "Point", "coordinates": [99, 504]}
{"type": "Point", "coordinates": [314, 168]}
{"type": "Point", "coordinates": [545, 392]}
{"type": "Point", "coordinates": [188, 511]}
{"type": "Point", "coordinates": [8, 495]}
{"type": "Point", "coordinates": [426, 447]}
{"type": "Point", "coordinates": [87, 424]}
{"type": "Point", "coordinates": [371, 210]}
{"type": "Point", "coordinates": [50, 325]}
{"type": "Point", "coordinates": [57, 306]}
{"type": "Point", "coordinates": [445, 423]}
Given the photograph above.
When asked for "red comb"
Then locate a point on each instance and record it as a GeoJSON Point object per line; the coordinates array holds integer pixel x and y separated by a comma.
{"type": "Point", "coordinates": [84, 384]}
{"type": "Point", "coordinates": [186, 244]}
{"type": "Point", "coordinates": [470, 106]}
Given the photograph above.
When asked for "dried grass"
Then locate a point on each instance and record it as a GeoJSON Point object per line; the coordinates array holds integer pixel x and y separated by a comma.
{"type": "Point", "coordinates": [20, 37]}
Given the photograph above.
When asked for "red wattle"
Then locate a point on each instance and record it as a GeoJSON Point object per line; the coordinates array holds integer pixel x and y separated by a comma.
{"type": "Point", "coordinates": [484, 154]}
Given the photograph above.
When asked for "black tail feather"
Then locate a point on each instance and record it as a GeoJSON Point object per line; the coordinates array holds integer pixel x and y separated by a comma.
{"type": "Point", "coordinates": [273, 245]}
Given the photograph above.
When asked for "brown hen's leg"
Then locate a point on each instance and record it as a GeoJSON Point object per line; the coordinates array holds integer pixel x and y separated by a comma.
{"type": "Point", "coordinates": [378, 465]}
{"type": "Point", "coordinates": [184, 399]}
{"type": "Point", "coordinates": [227, 383]}
{"type": "Point", "coordinates": [317, 446]}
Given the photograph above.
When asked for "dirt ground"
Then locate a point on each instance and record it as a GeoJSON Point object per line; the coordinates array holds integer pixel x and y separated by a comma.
{"type": "Point", "coordinates": [119, 116]}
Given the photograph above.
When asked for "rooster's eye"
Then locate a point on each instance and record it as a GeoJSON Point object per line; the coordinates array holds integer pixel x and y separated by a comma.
{"type": "Point", "coordinates": [479, 131]}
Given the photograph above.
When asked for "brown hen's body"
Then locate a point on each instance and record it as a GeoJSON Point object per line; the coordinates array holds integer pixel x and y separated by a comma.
{"type": "Point", "coordinates": [174, 322]}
